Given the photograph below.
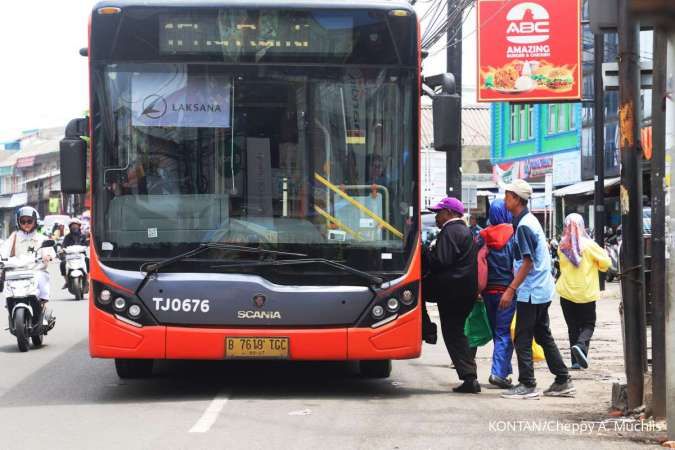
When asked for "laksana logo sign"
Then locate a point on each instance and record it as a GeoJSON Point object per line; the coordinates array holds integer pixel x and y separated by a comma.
{"type": "Point", "coordinates": [155, 106]}
{"type": "Point", "coordinates": [174, 99]}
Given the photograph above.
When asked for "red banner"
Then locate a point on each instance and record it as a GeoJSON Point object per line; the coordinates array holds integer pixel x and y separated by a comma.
{"type": "Point", "coordinates": [529, 50]}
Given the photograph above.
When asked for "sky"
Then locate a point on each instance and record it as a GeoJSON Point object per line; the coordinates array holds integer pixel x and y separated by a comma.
{"type": "Point", "coordinates": [44, 80]}
{"type": "Point", "coordinates": [435, 63]}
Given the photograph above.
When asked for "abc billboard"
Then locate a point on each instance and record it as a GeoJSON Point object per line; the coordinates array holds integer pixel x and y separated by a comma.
{"type": "Point", "coordinates": [529, 50]}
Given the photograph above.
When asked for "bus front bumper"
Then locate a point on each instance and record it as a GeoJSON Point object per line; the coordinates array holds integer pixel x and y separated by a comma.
{"type": "Point", "coordinates": [112, 338]}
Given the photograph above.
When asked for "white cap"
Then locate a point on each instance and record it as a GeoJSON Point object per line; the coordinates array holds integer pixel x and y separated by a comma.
{"type": "Point", "coordinates": [521, 188]}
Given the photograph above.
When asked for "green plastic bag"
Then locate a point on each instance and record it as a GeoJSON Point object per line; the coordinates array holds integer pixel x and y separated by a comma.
{"type": "Point", "coordinates": [477, 326]}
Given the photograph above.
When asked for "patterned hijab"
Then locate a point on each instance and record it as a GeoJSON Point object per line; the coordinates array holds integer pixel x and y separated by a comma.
{"type": "Point", "coordinates": [574, 234]}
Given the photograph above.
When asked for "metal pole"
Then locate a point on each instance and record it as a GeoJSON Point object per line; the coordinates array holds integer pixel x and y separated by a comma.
{"type": "Point", "coordinates": [670, 299]}
{"type": "Point", "coordinates": [453, 159]}
{"type": "Point", "coordinates": [658, 280]}
{"type": "Point", "coordinates": [599, 143]}
{"type": "Point", "coordinates": [631, 204]}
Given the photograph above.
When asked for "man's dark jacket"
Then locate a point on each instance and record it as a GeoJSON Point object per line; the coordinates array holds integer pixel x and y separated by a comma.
{"type": "Point", "coordinates": [452, 266]}
{"type": "Point", "coordinates": [75, 239]}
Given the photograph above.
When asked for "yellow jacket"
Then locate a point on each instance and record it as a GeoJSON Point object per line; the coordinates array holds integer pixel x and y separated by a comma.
{"type": "Point", "coordinates": [581, 284]}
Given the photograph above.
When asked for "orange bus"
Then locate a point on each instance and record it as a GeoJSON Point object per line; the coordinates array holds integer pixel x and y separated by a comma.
{"type": "Point", "coordinates": [254, 179]}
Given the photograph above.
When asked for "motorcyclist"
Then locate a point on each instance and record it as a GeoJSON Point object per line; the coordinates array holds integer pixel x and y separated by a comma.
{"type": "Point", "coordinates": [26, 240]}
{"type": "Point", "coordinates": [75, 237]}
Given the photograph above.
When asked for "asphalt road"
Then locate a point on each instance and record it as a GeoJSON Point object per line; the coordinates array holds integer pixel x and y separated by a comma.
{"type": "Point", "coordinates": [57, 397]}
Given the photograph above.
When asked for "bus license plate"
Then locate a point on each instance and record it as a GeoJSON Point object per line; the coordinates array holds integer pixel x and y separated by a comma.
{"type": "Point", "coordinates": [256, 347]}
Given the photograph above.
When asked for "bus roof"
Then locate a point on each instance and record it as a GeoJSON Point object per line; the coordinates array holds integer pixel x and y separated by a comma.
{"type": "Point", "coordinates": [323, 4]}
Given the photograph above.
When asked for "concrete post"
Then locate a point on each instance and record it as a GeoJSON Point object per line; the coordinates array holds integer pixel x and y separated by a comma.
{"type": "Point", "coordinates": [670, 242]}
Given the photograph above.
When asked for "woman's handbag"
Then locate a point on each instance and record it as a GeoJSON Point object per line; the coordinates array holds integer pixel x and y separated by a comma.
{"type": "Point", "coordinates": [477, 326]}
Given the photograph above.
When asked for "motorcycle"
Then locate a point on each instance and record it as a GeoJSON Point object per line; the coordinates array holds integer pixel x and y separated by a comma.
{"type": "Point", "coordinates": [76, 270]}
{"type": "Point", "coordinates": [613, 246]}
{"type": "Point", "coordinates": [27, 318]}
{"type": "Point", "coordinates": [555, 261]}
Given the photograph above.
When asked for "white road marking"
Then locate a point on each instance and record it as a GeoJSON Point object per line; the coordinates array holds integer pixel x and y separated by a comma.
{"type": "Point", "coordinates": [210, 416]}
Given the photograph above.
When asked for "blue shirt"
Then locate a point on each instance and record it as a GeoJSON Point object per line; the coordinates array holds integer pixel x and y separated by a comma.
{"type": "Point", "coordinates": [530, 240]}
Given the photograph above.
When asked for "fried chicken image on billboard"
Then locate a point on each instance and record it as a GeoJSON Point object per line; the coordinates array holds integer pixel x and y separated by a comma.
{"type": "Point", "coordinates": [505, 78]}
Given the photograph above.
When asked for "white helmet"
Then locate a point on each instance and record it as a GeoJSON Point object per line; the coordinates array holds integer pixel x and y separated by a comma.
{"type": "Point", "coordinates": [75, 220]}
{"type": "Point", "coordinates": [27, 211]}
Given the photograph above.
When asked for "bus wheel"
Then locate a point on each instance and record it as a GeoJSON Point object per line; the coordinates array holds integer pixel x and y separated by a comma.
{"type": "Point", "coordinates": [133, 368]}
{"type": "Point", "coordinates": [375, 368]}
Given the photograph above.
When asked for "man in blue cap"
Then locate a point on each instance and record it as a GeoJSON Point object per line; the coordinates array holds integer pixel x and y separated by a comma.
{"type": "Point", "coordinates": [451, 281]}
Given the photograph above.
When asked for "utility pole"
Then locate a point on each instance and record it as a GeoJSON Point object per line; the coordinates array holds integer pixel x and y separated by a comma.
{"type": "Point", "coordinates": [631, 205]}
{"type": "Point", "coordinates": [658, 280]}
{"type": "Point", "coordinates": [670, 299]}
{"type": "Point", "coordinates": [453, 159]}
{"type": "Point", "coordinates": [599, 143]}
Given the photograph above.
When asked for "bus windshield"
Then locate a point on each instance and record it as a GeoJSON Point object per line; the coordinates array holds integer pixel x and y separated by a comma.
{"type": "Point", "coordinates": [296, 158]}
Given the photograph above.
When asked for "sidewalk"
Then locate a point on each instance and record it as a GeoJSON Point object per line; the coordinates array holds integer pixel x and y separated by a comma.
{"type": "Point", "coordinates": [594, 385]}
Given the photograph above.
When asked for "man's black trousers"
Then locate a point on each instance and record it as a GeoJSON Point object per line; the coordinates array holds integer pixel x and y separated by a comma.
{"type": "Point", "coordinates": [453, 313]}
{"type": "Point", "coordinates": [532, 322]}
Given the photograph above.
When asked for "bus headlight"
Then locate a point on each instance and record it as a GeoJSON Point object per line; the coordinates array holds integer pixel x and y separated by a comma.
{"type": "Point", "coordinates": [407, 297]}
{"type": "Point", "coordinates": [105, 296]}
{"type": "Point", "coordinates": [392, 304]}
{"type": "Point", "coordinates": [120, 303]}
{"type": "Point", "coordinates": [377, 311]}
{"type": "Point", "coordinates": [134, 311]}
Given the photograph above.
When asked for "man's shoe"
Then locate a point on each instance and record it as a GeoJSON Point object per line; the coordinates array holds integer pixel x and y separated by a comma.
{"type": "Point", "coordinates": [565, 389]}
{"type": "Point", "coordinates": [430, 335]}
{"type": "Point", "coordinates": [430, 338]}
{"type": "Point", "coordinates": [468, 387]}
{"type": "Point", "coordinates": [581, 357]}
{"type": "Point", "coordinates": [502, 383]}
{"type": "Point", "coordinates": [575, 366]}
{"type": "Point", "coordinates": [522, 392]}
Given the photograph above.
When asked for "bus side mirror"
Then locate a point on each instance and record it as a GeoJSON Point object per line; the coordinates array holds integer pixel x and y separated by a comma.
{"type": "Point", "coordinates": [447, 109]}
{"type": "Point", "coordinates": [77, 128]}
{"type": "Point", "coordinates": [73, 165]}
{"type": "Point", "coordinates": [447, 121]}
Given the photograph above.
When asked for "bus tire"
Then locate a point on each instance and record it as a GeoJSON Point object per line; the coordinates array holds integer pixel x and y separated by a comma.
{"type": "Point", "coordinates": [375, 368]}
{"type": "Point", "coordinates": [133, 368]}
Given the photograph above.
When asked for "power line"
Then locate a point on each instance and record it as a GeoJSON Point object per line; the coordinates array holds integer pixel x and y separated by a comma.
{"type": "Point", "coordinates": [478, 27]}
{"type": "Point", "coordinates": [437, 29]}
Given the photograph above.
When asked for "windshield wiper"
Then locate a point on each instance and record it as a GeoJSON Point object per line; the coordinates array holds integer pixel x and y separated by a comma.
{"type": "Point", "coordinates": [373, 279]}
{"type": "Point", "coordinates": [156, 266]}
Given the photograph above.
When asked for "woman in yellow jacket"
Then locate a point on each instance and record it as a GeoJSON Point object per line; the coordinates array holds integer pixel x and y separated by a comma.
{"type": "Point", "coordinates": [579, 287]}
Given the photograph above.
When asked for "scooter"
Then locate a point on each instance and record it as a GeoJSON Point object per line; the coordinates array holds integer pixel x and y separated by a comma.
{"type": "Point", "coordinates": [27, 318]}
{"type": "Point", "coordinates": [613, 246]}
{"type": "Point", "coordinates": [555, 260]}
{"type": "Point", "coordinates": [76, 270]}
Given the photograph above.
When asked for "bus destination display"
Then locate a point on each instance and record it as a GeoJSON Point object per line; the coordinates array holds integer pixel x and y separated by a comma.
{"type": "Point", "coordinates": [238, 33]}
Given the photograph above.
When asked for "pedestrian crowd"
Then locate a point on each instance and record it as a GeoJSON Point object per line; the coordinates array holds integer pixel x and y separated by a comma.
{"type": "Point", "coordinates": [501, 276]}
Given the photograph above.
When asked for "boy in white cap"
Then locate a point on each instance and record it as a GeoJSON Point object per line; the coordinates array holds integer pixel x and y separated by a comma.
{"type": "Point", "coordinates": [533, 288]}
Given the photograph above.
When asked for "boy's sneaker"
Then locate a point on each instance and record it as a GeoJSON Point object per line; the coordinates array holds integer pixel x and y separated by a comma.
{"type": "Point", "coordinates": [522, 392]}
{"type": "Point", "coordinates": [502, 383]}
{"type": "Point", "coordinates": [580, 356]}
{"type": "Point", "coordinates": [565, 389]}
